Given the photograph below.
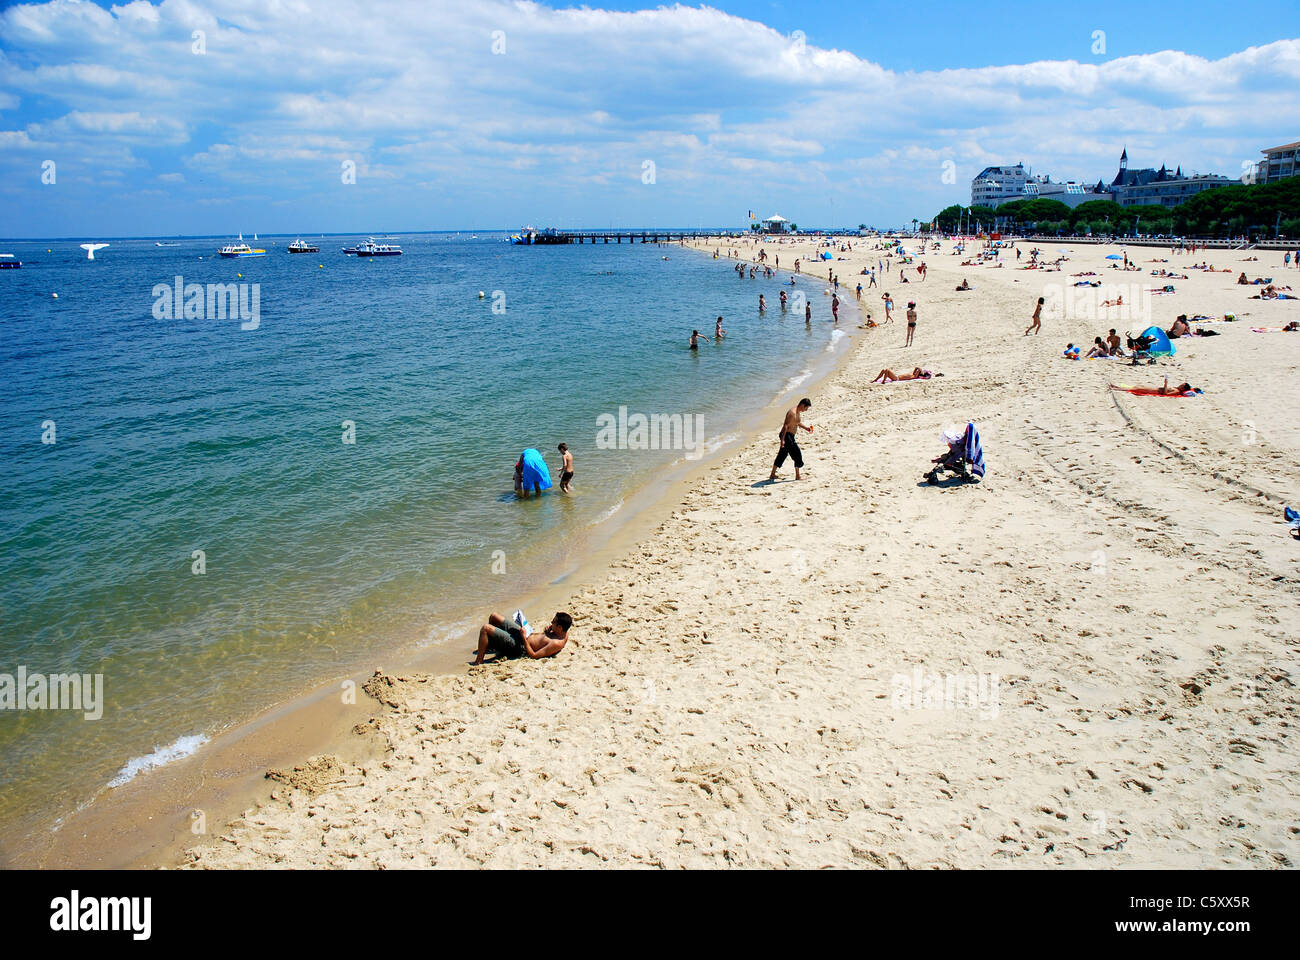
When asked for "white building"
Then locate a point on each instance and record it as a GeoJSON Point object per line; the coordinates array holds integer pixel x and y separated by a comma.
{"type": "Point", "coordinates": [997, 185]}
{"type": "Point", "coordinates": [994, 185]}
{"type": "Point", "coordinates": [1278, 163]}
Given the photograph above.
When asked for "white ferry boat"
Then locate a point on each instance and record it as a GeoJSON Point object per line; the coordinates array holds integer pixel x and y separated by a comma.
{"type": "Point", "coordinates": [372, 249]}
{"type": "Point", "coordinates": [241, 249]}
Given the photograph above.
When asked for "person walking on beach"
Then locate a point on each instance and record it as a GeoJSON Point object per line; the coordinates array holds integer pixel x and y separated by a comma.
{"type": "Point", "coordinates": [695, 339]}
{"type": "Point", "coordinates": [889, 307]}
{"type": "Point", "coordinates": [1037, 325]}
{"type": "Point", "coordinates": [789, 436]}
{"type": "Point", "coordinates": [872, 282]}
{"type": "Point", "coordinates": [859, 291]}
{"type": "Point", "coordinates": [911, 322]}
{"type": "Point", "coordinates": [507, 639]}
{"type": "Point", "coordinates": [566, 468]}
{"type": "Point", "coordinates": [796, 265]}
{"type": "Point", "coordinates": [718, 332]}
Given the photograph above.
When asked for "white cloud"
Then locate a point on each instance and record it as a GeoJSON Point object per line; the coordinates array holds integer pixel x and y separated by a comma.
{"type": "Point", "coordinates": [414, 93]}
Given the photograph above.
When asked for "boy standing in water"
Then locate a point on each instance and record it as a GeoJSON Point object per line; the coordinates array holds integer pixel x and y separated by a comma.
{"type": "Point", "coordinates": [695, 339]}
{"type": "Point", "coordinates": [566, 470]}
{"type": "Point", "coordinates": [789, 446]}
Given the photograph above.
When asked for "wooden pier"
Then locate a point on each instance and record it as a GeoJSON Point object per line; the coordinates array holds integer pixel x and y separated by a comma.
{"type": "Point", "coordinates": [619, 236]}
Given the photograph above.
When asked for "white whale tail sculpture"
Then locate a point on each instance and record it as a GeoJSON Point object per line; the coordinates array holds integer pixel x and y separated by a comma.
{"type": "Point", "coordinates": [90, 249]}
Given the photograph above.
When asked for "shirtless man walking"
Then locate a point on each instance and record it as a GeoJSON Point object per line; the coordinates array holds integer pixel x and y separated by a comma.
{"type": "Point", "coordinates": [788, 439]}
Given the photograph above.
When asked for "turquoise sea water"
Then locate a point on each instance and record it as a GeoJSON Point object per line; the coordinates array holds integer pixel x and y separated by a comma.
{"type": "Point", "coordinates": [179, 435]}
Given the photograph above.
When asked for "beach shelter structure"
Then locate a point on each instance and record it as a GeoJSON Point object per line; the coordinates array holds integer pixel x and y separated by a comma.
{"type": "Point", "coordinates": [776, 224]}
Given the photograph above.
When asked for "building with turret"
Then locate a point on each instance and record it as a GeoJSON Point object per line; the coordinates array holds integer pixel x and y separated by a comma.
{"type": "Point", "coordinates": [1159, 188]}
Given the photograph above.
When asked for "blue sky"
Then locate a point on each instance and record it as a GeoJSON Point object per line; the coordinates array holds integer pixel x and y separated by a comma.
{"type": "Point", "coordinates": [295, 116]}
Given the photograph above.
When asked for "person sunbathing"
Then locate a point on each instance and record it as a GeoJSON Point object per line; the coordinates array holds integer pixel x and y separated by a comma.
{"type": "Point", "coordinates": [1099, 349]}
{"type": "Point", "coordinates": [1181, 328]}
{"type": "Point", "coordinates": [964, 285]}
{"type": "Point", "coordinates": [889, 376]}
{"type": "Point", "coordinates": [1182, 390]}
{"type": "Point", "coordinates": [507, 639]}
{"type": "Point", "coordinates": [1117, 302]}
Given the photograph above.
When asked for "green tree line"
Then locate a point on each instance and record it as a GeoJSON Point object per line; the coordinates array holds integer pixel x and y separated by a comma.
{"type": "Point", "coordinates": [1233, 210]}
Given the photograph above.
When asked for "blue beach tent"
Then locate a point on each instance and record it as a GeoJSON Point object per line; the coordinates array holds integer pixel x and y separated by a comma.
{"type": "Point", "coordinates": [1162, 347]}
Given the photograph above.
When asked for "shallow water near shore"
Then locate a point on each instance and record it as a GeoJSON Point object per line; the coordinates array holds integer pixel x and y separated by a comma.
{"type": "Point", "coordinates": [177, 436]}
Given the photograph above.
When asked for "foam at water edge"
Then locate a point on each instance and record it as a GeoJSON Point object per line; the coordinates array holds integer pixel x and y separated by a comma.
{"type": "Point", "coordinates": [440, 633]}
{"type": "Point", "coordinates": [162, 756]}
{"type": "Point", "coordinates": [794, 382]}
{"type": "Point", "coordinates": [836, 337]}
{"type": "Point", "coordinates": [608, 513]}
{"type": "Point", "coordinates": [712, 445]}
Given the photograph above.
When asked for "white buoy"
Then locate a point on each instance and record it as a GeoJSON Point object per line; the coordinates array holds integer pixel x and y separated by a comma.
{"type": "Point", "coordinates": [54, 295]}
{"type": "Point", "coordinates": [480, 294]}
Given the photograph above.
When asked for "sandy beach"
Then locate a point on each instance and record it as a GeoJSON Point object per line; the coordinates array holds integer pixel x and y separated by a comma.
{"type": "Point", "coordinates": [1084, 660]}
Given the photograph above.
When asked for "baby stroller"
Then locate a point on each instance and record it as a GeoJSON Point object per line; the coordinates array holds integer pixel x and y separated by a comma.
{"type": "Point", "coordinates": [1153, 343]}
{"type": "Point", "coordinates": [964, 450]}
{"type": "Point", "coordinates": [1140, 349]}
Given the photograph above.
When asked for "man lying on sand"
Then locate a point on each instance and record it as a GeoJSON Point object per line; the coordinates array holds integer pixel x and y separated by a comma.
{"type": "Point", "coordinates": [506, 638]}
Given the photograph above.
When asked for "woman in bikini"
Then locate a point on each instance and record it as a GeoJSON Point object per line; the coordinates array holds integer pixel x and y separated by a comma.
{"type": "Point", "coordinates": [1037, 325]}
{"type": "Point", "coordinates": [888, 376]}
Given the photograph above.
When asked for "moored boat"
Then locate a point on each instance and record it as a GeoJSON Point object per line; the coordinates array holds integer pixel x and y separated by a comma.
{"type": "Point", "coordinates": [372, 249]}
{"type": "Point", "coordinates": [302, 246]}
{"type": "Point", "coordinates": [241, 249]}
{"type": "Point", "coordinates": [9, 262]}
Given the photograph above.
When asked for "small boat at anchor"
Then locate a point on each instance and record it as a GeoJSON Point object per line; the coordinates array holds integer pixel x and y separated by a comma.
{"type": "Point", "coordinates": [241, 249]}
{"type": "Point", "coordinates": [302, 246]}
{"type": "Point", "coordinates": [372, 249]}
{"type": "Point", "coordinates": [9, 262]}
